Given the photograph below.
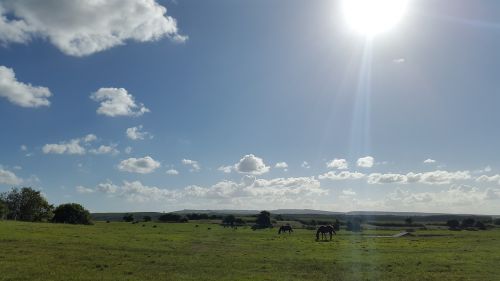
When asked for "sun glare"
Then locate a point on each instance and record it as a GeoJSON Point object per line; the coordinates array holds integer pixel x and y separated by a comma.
{"type": "Point", "coordinates": [371, 17]}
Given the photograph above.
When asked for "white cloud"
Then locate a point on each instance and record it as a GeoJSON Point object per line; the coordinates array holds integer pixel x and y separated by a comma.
{"type": "Point", "coordinates": [365, 162]}
{"type": "Point", "coordinates": [378, 178]}
{"type": "Point", "coordinates": [80, 28]}
{"type": "Point", "coordinates": [107, 187]}
{"type": "Point", "coordinates": [434, 177]}
{"type": "Point", "coordinates": [19, 93]}
{"type": "Point", "coordinates": [399, 60]}
{"type": "Point", "coordinates": [143, 165]}
{"type": "Point", "coordinates": [135, 191]}
{"type": "Point", "coordinates": [72, 147]}
{"type": "Point", "coordinates": [348, 192]}
{"type": "Point", "coordinates": [136, 133]}
{"type": "Point", "coordinates": [429, 161]}
{"type": "Point", "coordinates": [195, 166]}
{"type": "Point", "coordinates": [343, 175]}
{"type": "Point", "coordinates": [23, 148]}
{"type": "Point", "coordinates": [485, 178]}
{"type": "Point", "coordinates": [9, 178]}
{"type": "Point", "coordinates": [117, 102]}
{"type": "Point", "coordinates": [128, 150]}
{"type": "Point", "coordinates": [225, 169]}
{"type": "Point", "coordinates": [251, 164]}
{"type": "Point", "coordinates": [282, 165]}
{"type": "Point", "coordinates": [172, 172]}
{"type": "Point", "coordinates": [340, 164]}
{"type": "Point", "coordinates": [84, 190]}
{"type": "Point", "coordinates": [105, 149]}
{"type": "Point", "coordinates": [305, 165]}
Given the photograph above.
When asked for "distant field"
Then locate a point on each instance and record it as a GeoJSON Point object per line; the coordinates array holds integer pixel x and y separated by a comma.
{"type": "Point", "coordinates": [124, 251]}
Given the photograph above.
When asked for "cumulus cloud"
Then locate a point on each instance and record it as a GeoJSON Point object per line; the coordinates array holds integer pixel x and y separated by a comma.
{"type": "Point", "coordinates": [80, 28]}
{"type": "Point", "coordinates": [9, 178]}
{"type": "Point", "coordinates": [84, 190]}
{"type": "Point", "coordinates": [273, 190]}
{"type": "Point", "coordinates": [195, 166]}
{"type": "Point", "coordinates": [251, 164]}
{"type": "Point", "coordinates": [225, 169]}
{"type": "Point", "coordinates": [365, 162]}
{"type": "Point", "coordinates": [340, 164]}
{"type": "Point", "coordinates": [116, 102]}
{"type": "Point", "coordinates": [143, 165]}
{"type": "Point", "coordinates": [434, 177]}
{"type": "Point", "coordinates": [172, 172]}
{"type": "Point", "coordinates": [305, 165]}
{"type": "Point", "coordinates": [343, 175]}
{"type": "Point", "coordinates": [72, 147]}
{"type": "Point", "coordinates": [282, 165]}
{"type": "Point", "coordinates": [136, 133]}
{"type": "Point", "coordinates": [485, 178]}
{"type": "Point", "coordinates": [105, 149]}
{"type": "Point", "coordinates": [20, 93]}
{"type": "Point", "coordinates": [128, 150]}
{"type": "Point", "coordinates": [429, 161]}
{"type": "Point", "coordinates": [136, 191]}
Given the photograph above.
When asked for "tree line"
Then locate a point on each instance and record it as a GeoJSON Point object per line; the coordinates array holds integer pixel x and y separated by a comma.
{"type": "Point", "coordinates": [27, 204]}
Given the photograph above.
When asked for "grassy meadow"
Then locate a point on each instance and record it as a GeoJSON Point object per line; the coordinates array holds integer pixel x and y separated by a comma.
{"type": "Point", "coordinates": [125, 251]}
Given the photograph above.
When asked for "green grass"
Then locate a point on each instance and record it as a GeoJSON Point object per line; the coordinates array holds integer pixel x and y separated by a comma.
{"type": "Point", "coordinates": [120, 251]}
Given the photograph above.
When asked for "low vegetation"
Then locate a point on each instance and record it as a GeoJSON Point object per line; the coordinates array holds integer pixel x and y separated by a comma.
{"type": "Point", "coordinates": [182, 251]}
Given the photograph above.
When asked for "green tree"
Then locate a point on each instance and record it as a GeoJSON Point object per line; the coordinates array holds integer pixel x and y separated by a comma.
{"type": "Point", "coordinates": [409, 221]}
{"type": "Point", "coordinates": [229, 219]}
{"type": "Point", "coordinates": [264, 219]}
{"type": "Point", "coordinates": [71, 213]}
{"type": "Point", "coordinates": [146, 218]}
{"type": "Point", "coordinates": [27, 204]}
{"type": "Point", "coordinates": [469, 222]}
{"type": "Point", "coordinates": [336, 225]}
{"type": "Point", "coordinates": [3, 209]}
{"type": "Point", "coordinates": [128, 217]}
{"type": "Point", "coordinates": [453, 224]}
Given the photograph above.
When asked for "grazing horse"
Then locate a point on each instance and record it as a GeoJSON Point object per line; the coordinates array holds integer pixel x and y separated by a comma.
{"type": "Point", "coordinates": [285, 228]}
{"type": "Point", "coordinates": [324, 230]}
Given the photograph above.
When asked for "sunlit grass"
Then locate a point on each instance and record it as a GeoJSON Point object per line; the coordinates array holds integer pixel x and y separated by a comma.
{"type": "Point", "coordinates": [120, 251]}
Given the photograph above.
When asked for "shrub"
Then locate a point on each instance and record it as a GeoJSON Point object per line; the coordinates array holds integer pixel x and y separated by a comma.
{"type": "Point", "coordinates": [354, 225]}
{"type": "Point", "coordinates": [146, 218]}
{"type": "Point", "coordinates": [469, 222]}
{"type": "Point", "coordinates": [128, 217]}
{"type": "Point", "coordinates": [71, 213]}
{"type": "Point", "coordinates": [229, 220]}
{"type": "Point", "coordinates": [26, 204]}
{"type": "Point", "coordinates": [264, 220]}
{"type": "Point", "coordinates": [496, 221]}
{"type": "Point", "coordinates": [172, 217]}
{"type": "Point", "coordinates": [453, 224]}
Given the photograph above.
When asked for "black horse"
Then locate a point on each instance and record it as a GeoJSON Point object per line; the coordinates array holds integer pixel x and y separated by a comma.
{"type": "Point", "coordinates": [285, 228]}
{"type": "Point", "coordinates": [324, 230]}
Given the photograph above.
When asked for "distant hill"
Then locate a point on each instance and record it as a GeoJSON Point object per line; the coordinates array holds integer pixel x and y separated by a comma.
{"type": "Point", "coordinates": [306, 214]}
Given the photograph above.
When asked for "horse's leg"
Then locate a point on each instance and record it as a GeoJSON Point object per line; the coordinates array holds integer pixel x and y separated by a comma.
{"type": "Point", "coordinates": [330, 235]}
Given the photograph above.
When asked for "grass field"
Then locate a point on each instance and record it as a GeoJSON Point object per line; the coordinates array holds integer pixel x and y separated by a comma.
{"type": "Point", "coordinates": [124, 251]}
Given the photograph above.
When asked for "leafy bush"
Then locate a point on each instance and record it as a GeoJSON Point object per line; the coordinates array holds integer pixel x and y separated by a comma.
{"type": "Point", "coordinates": [453, 224]}
{"type": "Point", "coordinates": [71, 213]}
{"type": "Point", "coordinates": [146, 218]}
{"type": "Point", "coordinates": [172, 217]}
{"type": "Point", "coordinates": [264, 220]}
{"type": "Point", "coordinates": [26, 204]}
{"type": "Point", "coordinates": [469, 222]}
{"type": "Point", "coordinates": [128, 217]}
{"type": "Point", "coordinates": [496, 221]}
{"type": "Point", "coordinates": [354, 225]}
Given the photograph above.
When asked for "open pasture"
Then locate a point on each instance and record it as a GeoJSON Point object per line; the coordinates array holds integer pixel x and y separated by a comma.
{"type": "Point", "coordinates": [124, 251]}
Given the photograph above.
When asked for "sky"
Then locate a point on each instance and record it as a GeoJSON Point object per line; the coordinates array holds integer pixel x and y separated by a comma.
{"type": "Point", "coordinates": [145, 105]}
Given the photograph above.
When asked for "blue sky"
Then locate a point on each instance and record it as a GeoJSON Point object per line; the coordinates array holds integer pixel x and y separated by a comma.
{"type": "Point", "coordinates": [223, 91]}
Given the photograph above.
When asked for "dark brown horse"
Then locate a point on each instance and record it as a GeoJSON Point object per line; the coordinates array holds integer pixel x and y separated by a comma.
{"type": "Point", "coordinates": [324, 230]}
{"type": "Point", "coordinates": [285, 228]}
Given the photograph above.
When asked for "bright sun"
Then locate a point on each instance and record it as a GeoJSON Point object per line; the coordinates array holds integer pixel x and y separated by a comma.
{"type": "Point", "coordinates": [371, 17]}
